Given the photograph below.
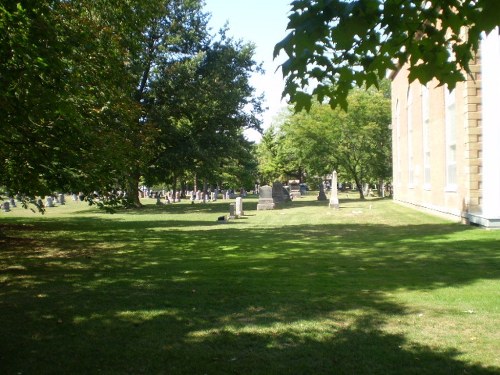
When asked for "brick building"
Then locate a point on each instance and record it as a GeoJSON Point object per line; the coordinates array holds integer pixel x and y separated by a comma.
{"type": "Point", "coordinates": [446, 145]}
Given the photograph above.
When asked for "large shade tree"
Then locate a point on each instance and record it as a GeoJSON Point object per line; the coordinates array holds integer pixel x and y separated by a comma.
{"type": "Point", "coordinates": [65, 102]}
{"type": "Point", "coordinates": [175, 31]}
{"type": "Point", "coordinates": [334, 45]}
{"type": "Point", "coordinates": [202, 104]}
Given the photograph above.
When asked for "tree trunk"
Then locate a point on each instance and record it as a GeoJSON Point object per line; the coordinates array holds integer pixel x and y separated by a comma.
{"type": "Point", "coordinates": [381, 188]}
{"type": "Point", "coordinates": [205, 185]}
{"type": "Point", "coordinates": [359, 186]}
{"type": "Point", "coordinates": [183, 189]}
{"type": "Point", "coordinates": [133, 188]}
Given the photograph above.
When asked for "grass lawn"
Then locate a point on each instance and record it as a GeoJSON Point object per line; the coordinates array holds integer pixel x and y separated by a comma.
{"type": "Point", "coordinates": [371, 288]}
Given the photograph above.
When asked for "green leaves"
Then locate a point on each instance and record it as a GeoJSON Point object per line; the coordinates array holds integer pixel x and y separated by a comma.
{"type": "Point", "coordinates": [344, 43]}
{"type": "Point", "coordinates": [321, 138]}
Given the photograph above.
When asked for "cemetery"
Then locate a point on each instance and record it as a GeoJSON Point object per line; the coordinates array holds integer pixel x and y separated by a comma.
{"type": "Point", "coordinates": [167, 206]}
{"type": "Point", "coordinates": [168, 289]}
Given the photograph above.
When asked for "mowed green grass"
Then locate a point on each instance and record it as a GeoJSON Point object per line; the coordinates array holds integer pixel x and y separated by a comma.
{"type": "Point", "coordinates": [371, 288]}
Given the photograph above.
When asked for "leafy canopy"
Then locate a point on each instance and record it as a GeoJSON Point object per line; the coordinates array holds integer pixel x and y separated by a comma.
{"type": "Point", "coordinates": [334, 45]}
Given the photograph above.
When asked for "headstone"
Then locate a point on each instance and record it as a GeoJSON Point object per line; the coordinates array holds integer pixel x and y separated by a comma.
{"type": "Point", "coordinates": [294, 189]}
{"type": "Point", "coordinates": [266, 201]}
{"type": "Point", "coordinates": [286, 195]}
{"type": "Point", "coordinates": [278, 192]}
{"type": "Point", "coordinates": [74, 197]}
{"type": "Point", "coordinates": [334, 199]}
{"type": "Point", "coordinates": [158, 200]}
{"type": "Point", "coordinates": [39, 203]}
{"type": "Point", "coordinates": [232, 210]}
{"type": "Point", "coordinates": [62, 200]}
{"type": "Point", "coordinates": [239, 207]}
{"type": "Point", "coordinates": [5, 207]}
{"type": "Point", "coordinates": [322, 195]}
{"type": "Point", "coordinates": [12, 201]}
{"type": "Point", "coordinates": [49, 202]}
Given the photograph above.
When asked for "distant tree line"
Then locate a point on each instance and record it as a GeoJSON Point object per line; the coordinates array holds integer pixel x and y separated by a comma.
{"type": "Point", "coordinates": [309, 145]}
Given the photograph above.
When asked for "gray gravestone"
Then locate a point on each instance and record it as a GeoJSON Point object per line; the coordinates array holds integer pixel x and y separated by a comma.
{"type": "Point", "coordinates": [278, 192]}
{"type": "Point", "coordinates": [5, 207]}
{"type": "Point", "coordinates": [62, 200]}
{"type": "Point", "coordinates": [266, 201]}
{"type": "Point", "coordinates": [232, 210]}
{"type": "Point", "coordinates": [12, 201]}
{"type": "Point", "coordinates": [322, 195]}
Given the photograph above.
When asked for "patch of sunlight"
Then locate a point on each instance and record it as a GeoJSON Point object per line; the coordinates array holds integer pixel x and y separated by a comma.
{"type": "Point", "coordinates": [144, 315]}
{"type": "Point", "coordinates": [15, 267]}
{"type": "Point", "coordinates": [228, 248]}
{"type": "Point", "coordinates": [319, 330]}
{"type": "Point", "coordinates": [260, 268]}
{"type": "Point", "coordinates": [84, 319]}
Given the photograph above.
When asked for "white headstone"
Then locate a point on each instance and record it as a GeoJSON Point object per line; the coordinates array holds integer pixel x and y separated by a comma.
{"type": "Point", "coordinates": [239, 207]}
{"type": "Point", "coordinates": [334, 199]}
{"type": "Point", "coordinates": [49, 202]}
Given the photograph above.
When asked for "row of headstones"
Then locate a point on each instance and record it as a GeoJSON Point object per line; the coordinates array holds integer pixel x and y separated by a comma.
{"type": "Point", "coordinates": [169, 198]}
{"type": "Point", "coordinates": [50, 201]}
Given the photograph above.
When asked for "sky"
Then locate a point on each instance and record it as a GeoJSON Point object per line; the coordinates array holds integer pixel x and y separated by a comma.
{"type": "Point", "coordinates": [262, 22]}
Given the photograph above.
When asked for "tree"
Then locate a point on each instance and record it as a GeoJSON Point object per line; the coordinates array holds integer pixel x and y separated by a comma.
{"type": "Point", "coordinates": [175, 31]}
{"type": "Point", "coordinates": [65, 101]}
{"type": "Point", "coordinates": [335, 45]}
{"type": "Point", "coordinates": [356, 143]}
{"type": "Point", "coordinates": [202, 104]}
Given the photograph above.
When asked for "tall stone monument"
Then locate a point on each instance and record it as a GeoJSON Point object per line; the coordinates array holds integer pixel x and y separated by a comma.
{"type": "Point", "coordinates": [239, 207]}
{"type": "Point", "coordinates": [334, 199]}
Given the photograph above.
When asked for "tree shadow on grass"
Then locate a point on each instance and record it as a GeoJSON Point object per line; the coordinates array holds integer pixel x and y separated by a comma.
{"type": "Point", "coordinates": [302, 299]}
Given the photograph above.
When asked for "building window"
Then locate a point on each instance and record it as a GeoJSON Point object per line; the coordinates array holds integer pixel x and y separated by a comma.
{"type": "Point", "coordinates": [425, 137]}
{"type": "Point", "coordinates": [409, 113]}
{"type": "Point", "coordinates": [451, 141]}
